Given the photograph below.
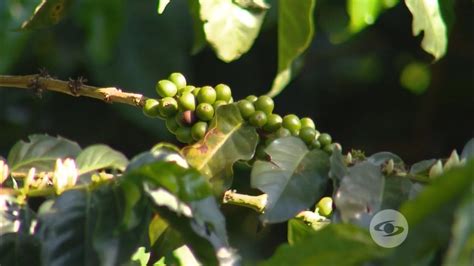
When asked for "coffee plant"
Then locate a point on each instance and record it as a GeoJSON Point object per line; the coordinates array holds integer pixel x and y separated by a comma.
{"type": "Point", "coordinates": [65, 204]}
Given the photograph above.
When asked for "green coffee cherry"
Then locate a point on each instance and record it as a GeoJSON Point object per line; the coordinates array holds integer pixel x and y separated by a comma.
{"type": "Point", "coordinates": [258, 119]}
{"type": "Point", "coordinates": [171, 124]}
{"type": "Point", "coordinates": [168, 107]}
{"type": "Point", "coordinates": [178, 79]}
{"type": "Point", "coordinates": [183, 134]}
{"type": "Point", "coordinates": [186, 118]}
{"type": "Point", "coordinates": [325, 139]}
{"type": "Point", "coordinates": [205, 111]}
{"type": "Point", "coordinates": [207, 94]}
{"type": "Point", "coordinates": [307, 134]}
{"type": "Point", "coordinates": [196, 91]}
{"type": "Point", "coordinates": [330, 147]}
{"type": "Point", "coordinates": [166, 88]}
{"type": "Point", "coordinates": [246, 108]}
{"type": "Point", "coordinates": [292, 123]}
{"type": "Point", "coordinates": [251, 98]}
{"type": "Point", "coordinates": [325, 206]}
{"type": "Point", "coordinates": [199, 130]}
{"type": "Point", "coordinates": [218, 103]}
{"type": "Point", "coordinates": [265, 104]}
{"type": "Point", "coordinates": [223, 93]}
{"type": "Point", "coordinates": [307, 122]}
{"type": "Point", "coordinates": [283, 132]}
{"type": "Point", "coordinates": [315, 144]}
{"type": "Point", "coordinates": [187, 102]}
{"type": "Point", "coordinates": [273, 123]}
{"type": "Point", "coordinates": [150, 108]}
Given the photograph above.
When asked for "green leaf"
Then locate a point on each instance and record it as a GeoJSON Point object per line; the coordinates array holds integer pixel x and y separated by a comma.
{"type": "Point", "coordinates": [338, 167]}
{"type": "Point", "coordinates": [47, 13]}
{"type": "Point", "coordinates": [168, 241]}
{"type": "Point", "coordinates": [431, 214]}
{"type": "Point", "coordinates": [468, 151]}
{"type": "Point", "coordinates": [199, 41]}
{"type": "Point", "coordinates": [336, 244]}
{"type": "Point", "coordinates": [98, 157]}
{"type": "Point", "coordinates": [41, 152]}
{"type": "Point", "coordinates": [19, 249]}
{"type": "Point", "coordinates": [462, 240]}
{"type": "Point", "coordinates": [228, 140]}
{"type": "Point", "coordinates": [298, 231]}
{"type": "Point", "coordinates": [230, 28]}
{"type": "Point", "coordinates": [141, 257]}
{"type": "Point", "coordinates": [432, 17]}
{"type": "Point", "coordinates": [293, 179]}
{"type": "Point", "coordinates": [162, 5]}
{"type": "Point", "coordinates": [360, 193]}
{"type": "Point", "coordinates": [84, 227]}
{"type": "Point", "coordinates": [295, 32]}
{"type": "Point", "coordinates": [364, 13]}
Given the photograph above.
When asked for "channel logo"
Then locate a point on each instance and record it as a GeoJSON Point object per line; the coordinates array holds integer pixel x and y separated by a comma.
{"type": "Point", "coordinates": [388, 228]}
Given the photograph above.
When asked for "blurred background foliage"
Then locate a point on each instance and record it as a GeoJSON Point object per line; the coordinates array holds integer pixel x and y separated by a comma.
{"type": "Point", "coordinates": [374, 89]}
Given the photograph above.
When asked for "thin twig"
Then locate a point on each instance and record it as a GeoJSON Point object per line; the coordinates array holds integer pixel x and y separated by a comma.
{"type": "Point", "coordinates": [73, 88]}
{"type": "Point", "coordinates": [257, 203]}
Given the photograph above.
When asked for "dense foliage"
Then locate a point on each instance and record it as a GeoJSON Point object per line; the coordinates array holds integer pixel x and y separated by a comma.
{"type": "Point", "coordinates": [63, 204]}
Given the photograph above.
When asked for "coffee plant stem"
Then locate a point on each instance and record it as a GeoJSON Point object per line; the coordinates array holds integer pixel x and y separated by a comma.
{"type": "Point", "coordinates": [40, 82]}
{"type": "Point", "coordinates": [257, 203]}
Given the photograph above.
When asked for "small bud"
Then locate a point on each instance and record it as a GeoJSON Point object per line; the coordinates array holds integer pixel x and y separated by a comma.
{"type": "Point", "coordinates": [65, 175]}
{"type": "Point", "coordinates": [348, 158]}
{"type": "Point", "coordinates": [30, 179]}
{"type": "Point", "coordinates": [338, 146]}
{"type": "Point", "coordinates": [452, 161]}
{"type": "Point", "coordinates": [389, 167]}
{"type": "Point", "coordinates": [436, 169]}
{"type": "Point", "coordinates": [4, 171]}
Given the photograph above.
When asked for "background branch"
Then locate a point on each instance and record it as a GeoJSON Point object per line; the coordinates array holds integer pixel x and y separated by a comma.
{"type": "Point", "coordinates": [40, 82]}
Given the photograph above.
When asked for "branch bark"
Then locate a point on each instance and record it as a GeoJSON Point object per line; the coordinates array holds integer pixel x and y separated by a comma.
{"type": "Point", "coordinates": [75, 88]}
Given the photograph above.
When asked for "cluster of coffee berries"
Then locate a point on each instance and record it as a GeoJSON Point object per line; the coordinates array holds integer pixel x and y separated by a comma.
{"type": "Point", "coordinates": [259, 113]}
{"type": "Point", "coordinates": [187, 109]}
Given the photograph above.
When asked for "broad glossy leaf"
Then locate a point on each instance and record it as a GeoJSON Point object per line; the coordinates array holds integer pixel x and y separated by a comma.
{"type": "Point", "coordinates": [431, 214]}
{"type": "Point", "coordinates": [85, 228]}
{"type": "Point", "coordinates": [47, 13]}
{"type": "Point", "coordinates": [293, 179]}
{"type": "Point", "coordinates": [162, 5]}
{"type": "Point", "coordinates": [295, 32]}
{"type": "Point", "coordinates": [468, 150]}
{"type": "Point", "coordinates": [98, 157]}
{"type": "Point", "coordinates": [199, 41]}
{"type": "Point", "coordinates": [168, 241]}
{"type": "Point", "coordinates": [461, 244]}
{"type": "Point", "coordinates": [41, 152]}
{"type": "Point", "coordinates": [160, 152]}
{"type": "Point", "coordinates": [298, 231]}
{"type": "Point", "coordinates": [360, 193]}
{"type": "Point", "coordinates": [228, 140]}
{"type": "Point", "coordinates": [336, 244]}
{"type": "Point", "coordinates": [230, 28]}
{"type": "Point", "coordinates": [433, 17]}
{"type": "Point", "coordinates": [184, 199]}
{"type": "Point", "coordinates": [364, 13]}
{"type": "Point", "coordinates": [19, 249]}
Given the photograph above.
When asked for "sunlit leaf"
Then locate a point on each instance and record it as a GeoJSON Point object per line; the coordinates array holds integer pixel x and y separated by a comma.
{"type": "Point", "coordinates": [433, 17]}
{"type": "Point", "coordinates": [336, 244]}
{"type": "Point", "coordinates": [99, 157]}
{"type": "Point", "coordinates": [162, 5]}
{"type": "Point", "coordinates": [41, 152]}
{"type": "Point", "coordinates": [47, 13]}
{"type": "Point", "coordinates": [293, 178]}
{"type": "Point", "coordinates": [199, 41]}
{"type": "Point", "coordinates": [228, 140]}
{"type": "Point", "coordinates": [431, 214]}
{"type": "Point", "coordinates": [295, 32]}
{"type": "Point", "coordinates": [230, 28]}
{"type": "Point", "coordinates": [363, 13]}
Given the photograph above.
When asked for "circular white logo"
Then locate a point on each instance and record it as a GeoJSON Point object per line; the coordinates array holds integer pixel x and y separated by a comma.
{"type": "Point", "coordinates": [388, 228]}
